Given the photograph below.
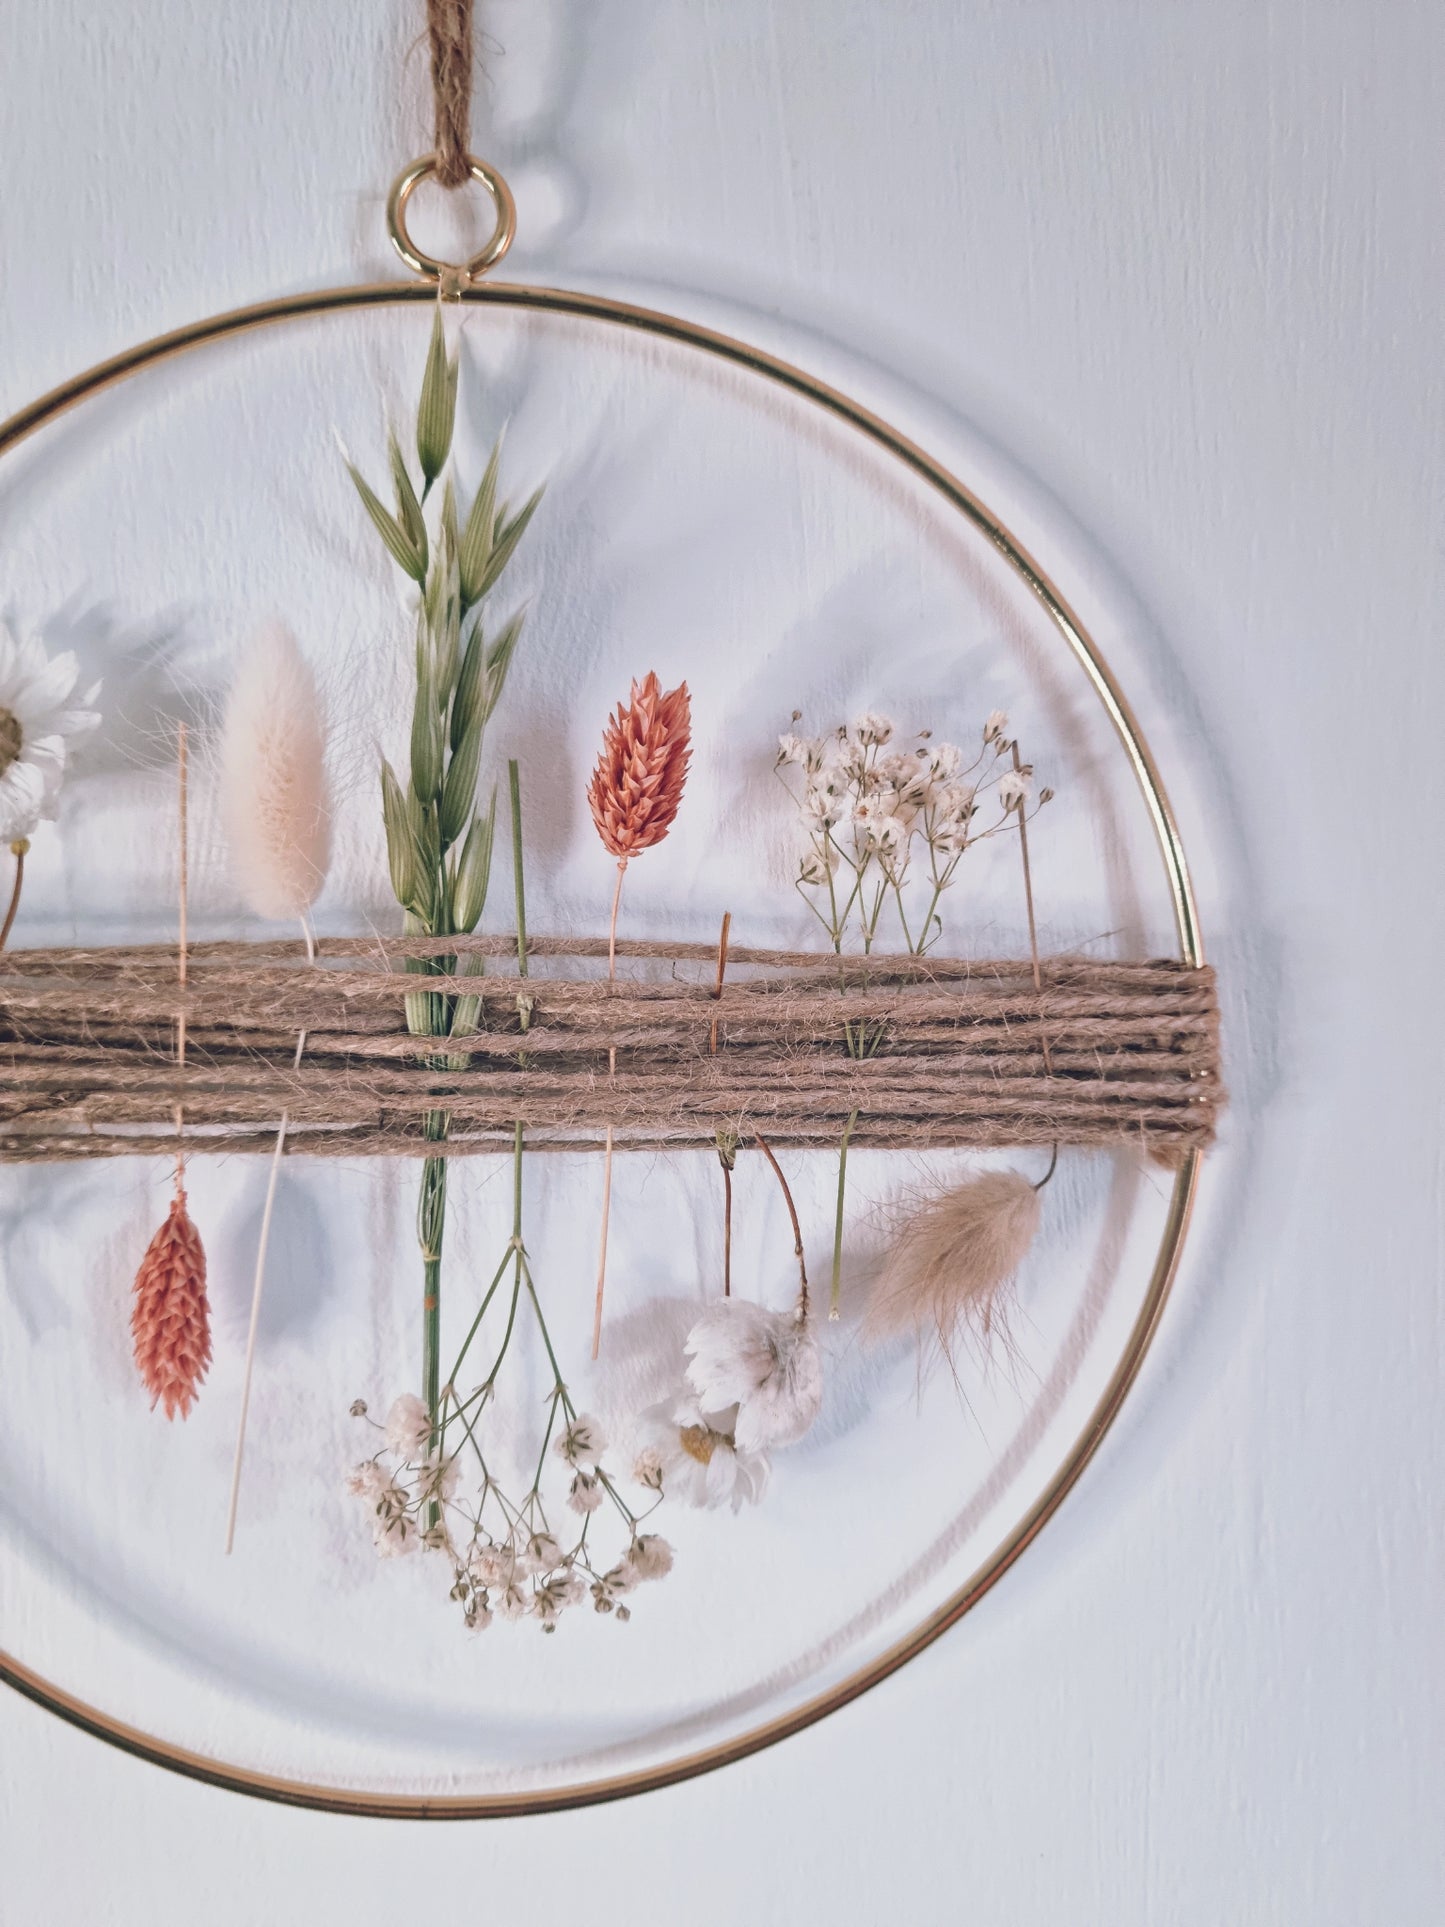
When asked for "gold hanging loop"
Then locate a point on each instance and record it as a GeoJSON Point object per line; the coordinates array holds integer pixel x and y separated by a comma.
{"type": "Point", "coordinates": [450, 275]}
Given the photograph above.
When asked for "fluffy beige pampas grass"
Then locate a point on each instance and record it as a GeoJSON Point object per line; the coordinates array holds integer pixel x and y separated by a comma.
{"type": "Point", "coordinates": [952, 1258]}
{"type": "Point", "coordinates": [275, 802]}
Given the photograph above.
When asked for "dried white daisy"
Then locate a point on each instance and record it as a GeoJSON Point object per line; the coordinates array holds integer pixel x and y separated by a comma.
{"type": "Point", "coordinates": [37, 722]}
{"type": "Point", "coordinates": [693, 1458]}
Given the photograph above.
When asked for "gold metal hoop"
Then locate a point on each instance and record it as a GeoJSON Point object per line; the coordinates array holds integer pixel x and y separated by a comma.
{"type": "Point", "coordinates": [832, 401]}
{"type": "Point", "coordinates": [450, 273]}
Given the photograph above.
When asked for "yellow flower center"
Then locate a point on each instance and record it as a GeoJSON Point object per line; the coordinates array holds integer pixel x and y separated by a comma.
{"type": "Point", "coordinates": [10, 738]}
{"type": "Point", "coordinates": [698, 1442]}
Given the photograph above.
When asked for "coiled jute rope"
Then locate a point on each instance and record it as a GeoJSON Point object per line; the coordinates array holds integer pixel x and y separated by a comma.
{"type": "Point", "coordinates": [959, 1053]}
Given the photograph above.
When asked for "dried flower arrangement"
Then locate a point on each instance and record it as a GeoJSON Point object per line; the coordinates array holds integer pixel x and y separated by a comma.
{"type": "Point", "coordinates": [413, 1046]}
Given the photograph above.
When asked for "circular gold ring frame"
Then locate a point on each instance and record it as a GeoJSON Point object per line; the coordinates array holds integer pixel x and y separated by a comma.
{"type": "Point", "coordinates": [783, 374]}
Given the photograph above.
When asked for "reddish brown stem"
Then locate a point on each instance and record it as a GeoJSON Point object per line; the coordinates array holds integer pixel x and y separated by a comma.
{"type": "Point", "coordinates": [722, 964]}
{"type": "Point", "coordinates": [766, 1150]}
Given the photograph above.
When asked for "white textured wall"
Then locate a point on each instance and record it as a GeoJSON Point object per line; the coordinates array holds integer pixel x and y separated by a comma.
{"type": "Point", "coordinates": [1184, 263]}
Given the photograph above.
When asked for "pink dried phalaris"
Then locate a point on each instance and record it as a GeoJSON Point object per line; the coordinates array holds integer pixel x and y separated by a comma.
{"type": "Point", "coordinates": [952, 1257]}
{"type": "Point", "coordinates": [170, 1319]}
{"type": "Point", "coordinates": [637, 785]}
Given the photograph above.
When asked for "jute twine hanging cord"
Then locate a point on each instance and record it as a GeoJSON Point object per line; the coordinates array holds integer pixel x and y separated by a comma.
{"type": "Point", "coordinates": [449, 29]}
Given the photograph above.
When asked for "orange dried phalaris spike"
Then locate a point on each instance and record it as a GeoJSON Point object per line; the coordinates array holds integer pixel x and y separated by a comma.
{"type": "Point", "coordinates": [637, 785]}
{"type": "Point", "coordinates": [170, 1319]}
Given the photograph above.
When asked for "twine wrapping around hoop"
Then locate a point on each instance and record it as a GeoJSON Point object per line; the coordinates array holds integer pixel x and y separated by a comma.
{"type": "Point", "coordinates": [972, 1055]}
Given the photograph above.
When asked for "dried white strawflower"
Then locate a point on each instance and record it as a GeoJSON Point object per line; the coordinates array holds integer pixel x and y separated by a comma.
{"type": "Point", "coordinates": [764, 1362]}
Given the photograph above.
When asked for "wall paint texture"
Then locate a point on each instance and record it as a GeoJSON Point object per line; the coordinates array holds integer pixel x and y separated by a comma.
{"type": "Point", "coordinates": [1184, 265]}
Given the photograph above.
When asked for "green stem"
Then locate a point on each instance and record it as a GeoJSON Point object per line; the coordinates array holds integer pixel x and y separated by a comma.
{"type": "Point", "coordinates": [481, 1314]}
{"type": "Point", "coordinates": [515, 788]}
{"type": "Point", "coordinates": [431, 1225]}
{"type": "Point", "coordinates": [838, 1218]}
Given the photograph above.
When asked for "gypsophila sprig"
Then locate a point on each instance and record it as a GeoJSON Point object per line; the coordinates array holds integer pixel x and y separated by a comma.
{"type": "Point", "coordinates": [530, 1554]}
{"type": "Point", "coordinates": [438, 838]}
{"type": "Point", "coordinates": [889, 826]}
{"type": "Point", "coordinates": [886, 826]}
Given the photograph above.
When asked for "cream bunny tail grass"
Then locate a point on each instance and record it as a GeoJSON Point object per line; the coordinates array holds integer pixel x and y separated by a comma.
{"type": "Point", "coordinates": [275, 802]}
{"type": "Point", "coordinates": [952, 1257]}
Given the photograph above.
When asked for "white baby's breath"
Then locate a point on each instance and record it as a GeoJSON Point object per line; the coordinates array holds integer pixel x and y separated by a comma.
{"type": "Point", "coordinates": [1015, 787]}
{"type": "Point", "coordinates": [871, 730]}
{"type": "Point", "coordinates": [581, 1442]}
{"type": "Point", "coordinates": [649, 1557]}
{"type": "Point", "coordinates": [585, 1493]}
{"type": "Point", "coordinates": [408, 1427]}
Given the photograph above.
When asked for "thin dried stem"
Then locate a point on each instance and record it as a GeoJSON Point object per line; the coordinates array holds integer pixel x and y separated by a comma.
{"type": "Point", "coordinates": [727, 1229]}
{"type": "Point", "coordinates": [607, 1154]}
{"type": "Point", "coordinates": [833, 1295]}
{"type": "Point", "coordinates": [182, 777]}
{"type": "Point", "coordinates": [764, 1147]}
{"type": "Point", "coordinates": [1029, 901]}
{"type": "Point", "coordinates": [722, 964]}
{"type": "Point", "coordinates": [259, 1281]}
{"type": "Point", "coordinates": [18, 848]}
